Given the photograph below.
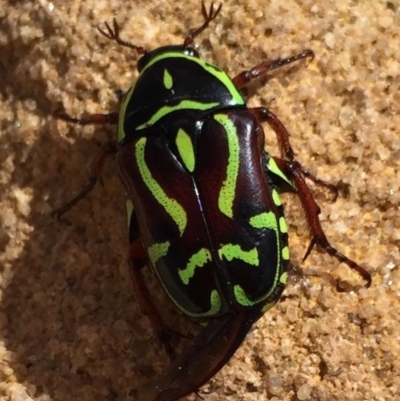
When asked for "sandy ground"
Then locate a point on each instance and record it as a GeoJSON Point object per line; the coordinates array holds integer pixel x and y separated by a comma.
{"type": "Point", "coordinates": [70, 328]}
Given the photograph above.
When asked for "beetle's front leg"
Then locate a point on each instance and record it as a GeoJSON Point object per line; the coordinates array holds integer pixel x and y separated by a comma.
{"type": "Point", "coordinates": [245, 77]}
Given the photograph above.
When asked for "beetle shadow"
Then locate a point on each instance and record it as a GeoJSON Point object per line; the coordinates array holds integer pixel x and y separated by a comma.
{"type": "Point", "coordinates": [74, 329]}
{"type": "Point", "coordinates": [17, 81]}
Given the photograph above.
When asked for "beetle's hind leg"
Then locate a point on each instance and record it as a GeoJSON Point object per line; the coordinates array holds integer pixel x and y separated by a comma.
{"type": "Point", "coordinates": [98, 160]}
{"type": "Point", "coordinates": [296, 173]}
{"type": "Point", "coordinates": [137, 260]}
{"type": "Point", "coordinates": [263, 68]}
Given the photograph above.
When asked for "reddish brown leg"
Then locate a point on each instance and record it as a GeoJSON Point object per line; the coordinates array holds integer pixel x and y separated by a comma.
{"type": "Point", "coordinates": [295, 173]}
{"type": "Point", "coordinates": [97, 162]}
{"type": "Point", "coordinates": [136, 262]}
{"type": "Point", "coordinates": [263, 68]}
{"type": "Point", "coordinates": [331, 187]}
{"type": "Point", "coordinates": [95, 167]}
{"type": "Point", "coordinates": [282, 134]}
{"type": "Point", "coordinates": [90, 119]}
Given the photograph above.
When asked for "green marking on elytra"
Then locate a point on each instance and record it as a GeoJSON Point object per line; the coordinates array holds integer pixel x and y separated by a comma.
{"type": "Point", "coordinates": [276, 198]}
{"type": "Point", "coordinates": [122, 114]}
{"type": "Point", "coordinates": [158, 251]}
{"type": "Point", "coordinates": [267, 307]}
{"type": "Point", "coordinates": [182, 105]}
{"type": "Point", "coordinates": [285, 253]}
{"type": "Point", "coordinates": [241, 296]}
{"type": "Point", "coordinates": [167, 79]}
{"type": "Point", "coordinates": [273, 167]}
{"type": "Point", "coordinates": [282, 225]}
{"type": "Point", "coordinates": [199, 259]}
{"type": "Point", "coordinates": [215, 306]}
{"type": "Point", "coordinates": [283, 278]}
{"type": "Point", "coordinates": [228, 189]}
{"type": "Point", "coordinates": [264, 220]}
{"type": "Point", "coordinates": [233, 251]}
{"type": "Point", "coordinates": [129, 210]}
{"type": "Point", "coordinates": [214, 71]}
{"type": "Point", "coordinates": [215, 301]}
{"type": "Point", "coordinates": [171, 206]}
{"type": "Point", "coordinates": [185, 149]}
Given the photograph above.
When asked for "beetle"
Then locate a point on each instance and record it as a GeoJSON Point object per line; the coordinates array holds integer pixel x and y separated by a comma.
{"type": "Point", "coordinates": [204, 208]}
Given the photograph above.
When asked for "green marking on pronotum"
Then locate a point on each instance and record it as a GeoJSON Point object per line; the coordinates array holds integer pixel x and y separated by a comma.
{"type": "Point", "coordinates": [185, 149]}
{"type": "Point", "coordinates": [216, 72]}
{"type": "Point", "coordinates": [276, 198]}
{"type": "Point", "coordinates": [199, 259]}
{"type": "Point", "coordinates": [232, 251]}
{"type": "Point", "coordinates": [171, 206]}
{"type": "Point", "coordinates": [282, 225]}
{"type": "Point", "coordinates": [273, 167]}
{"type": "Point", "coordinates": [228, 189]}
{"type": "Point", "coordinates": [157, 251]}
{"type": "Point", "coordinates": [283, 278]}
{"type": "Point", "coordinates": [122, 112]}
{"type": "Point", "coordinates": [182, 105]}
{"type": "Point", "coordinates": [264, 220]}
{"type": "Point", "coordinates": [167, 80]}
{"type": "Point", "coordinates": [285, 253]}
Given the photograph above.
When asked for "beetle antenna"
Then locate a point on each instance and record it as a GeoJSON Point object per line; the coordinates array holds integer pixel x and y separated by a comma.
{"type": "Point", "coordinates": [208, 17]}
{"type": "Point", "coordinates": [113, 34]}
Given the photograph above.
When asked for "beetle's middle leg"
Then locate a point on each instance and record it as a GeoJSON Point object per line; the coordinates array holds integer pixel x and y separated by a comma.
{"type": "Point", "coordinates": [98, 160]}
{"type": "Point", "coordinates": [287, 153]}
